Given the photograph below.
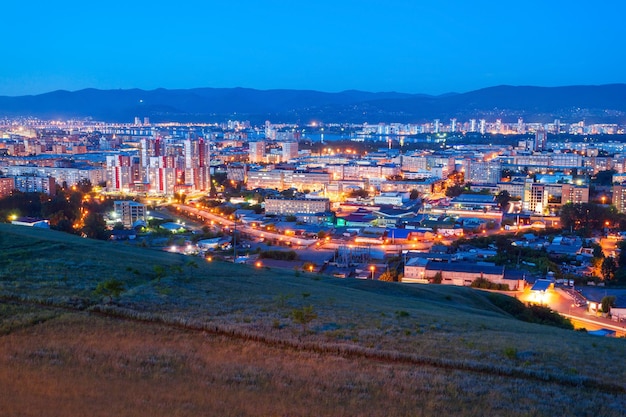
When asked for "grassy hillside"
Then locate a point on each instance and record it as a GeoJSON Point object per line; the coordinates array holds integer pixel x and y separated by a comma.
{"type": "Point", "coordinates": [397, 345]}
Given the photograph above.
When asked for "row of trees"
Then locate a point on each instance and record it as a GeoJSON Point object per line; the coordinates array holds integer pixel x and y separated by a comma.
{"type": "Point", "coordinates": [587, 217]}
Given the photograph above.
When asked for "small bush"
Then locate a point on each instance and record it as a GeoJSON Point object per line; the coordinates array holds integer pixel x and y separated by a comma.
{"type": "Point", "coordinates": [304, 316]}
{"type": "Point", "coordinates": [402, 313]}
{"type": "Point", "coordinates": [531, 313]}
{"type": "Point", "coordinates": [110, 288]}
{"type": "Point", "coordinates": [484, 283]}
{"type": "Point", "coordinates": [510, 353]}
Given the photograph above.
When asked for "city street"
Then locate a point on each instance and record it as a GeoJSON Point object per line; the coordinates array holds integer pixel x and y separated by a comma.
{"type": "Point", "coordinates": [243, 228]}
{"type": "Point", "coordinates": [561, 302]}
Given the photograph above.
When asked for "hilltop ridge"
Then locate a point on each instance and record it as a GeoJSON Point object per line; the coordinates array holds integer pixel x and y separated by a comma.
{"type": "Point", "coordinates": [594, 104]}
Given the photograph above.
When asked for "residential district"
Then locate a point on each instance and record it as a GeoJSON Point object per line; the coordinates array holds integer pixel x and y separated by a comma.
{"type": "Point", "coordinates": [530, 208]}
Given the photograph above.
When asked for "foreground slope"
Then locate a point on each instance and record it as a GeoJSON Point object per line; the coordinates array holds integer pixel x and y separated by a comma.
{"type": "Point", "coordinates": [171, 337]}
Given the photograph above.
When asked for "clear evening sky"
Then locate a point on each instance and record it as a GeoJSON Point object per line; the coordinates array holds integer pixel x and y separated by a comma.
{"type": "Point", "coordinates": [414, 46]}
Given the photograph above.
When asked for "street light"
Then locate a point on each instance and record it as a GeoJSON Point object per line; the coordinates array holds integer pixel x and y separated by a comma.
{"type": "Point", "coordinates": [372, 268]}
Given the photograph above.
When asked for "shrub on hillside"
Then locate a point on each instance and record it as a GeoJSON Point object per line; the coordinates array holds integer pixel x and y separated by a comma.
{"type": "Point", "coordinates": [279, 255]}
{"type": "Point", "coordinates": [484, 283]}
{"type": "Point", "coordinates": [531, 313]}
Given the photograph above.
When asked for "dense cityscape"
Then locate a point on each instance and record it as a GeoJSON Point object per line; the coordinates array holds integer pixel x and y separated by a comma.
{"type": "Point", "coordinates": [393, 202]}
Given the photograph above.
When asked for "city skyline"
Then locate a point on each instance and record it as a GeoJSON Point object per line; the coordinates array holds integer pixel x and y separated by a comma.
{"type": "Point", "coordinates": [401, 46]}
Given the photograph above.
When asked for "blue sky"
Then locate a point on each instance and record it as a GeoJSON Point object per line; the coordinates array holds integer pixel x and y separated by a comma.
{"type": "Point", "coordinates": [389, 45]}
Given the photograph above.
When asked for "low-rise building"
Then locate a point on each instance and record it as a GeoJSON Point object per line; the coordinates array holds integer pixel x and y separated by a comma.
{"type": "Point", "coordinates": [454, 273]}
{"type": "Point", "coordinates": [292, 206]}
{"type": "Point", "coordinates": [130, 213]}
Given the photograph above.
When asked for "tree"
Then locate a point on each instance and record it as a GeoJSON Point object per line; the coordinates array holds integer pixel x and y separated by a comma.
{"type": "Point", "coordinates": [587, 217]}
{"type": "Point", "coordinates": [608, 268]}
{"type": "Point", "coordinates": [604, 177]}
{"type": "Point", "coordinates": [110, 288]}
{"type": "Point", "coordinates": [455, 191]}
{"type": "Point", "coordinates": [95, 227]}
{"type": "Point", "coordinates": [84, 186]}
{"type": "Point", "coordinates": [288, 193]}
{"type": "Point", "coordinates": [607, 302]}
{"type": "Point", "coordinates": [503, 199]}
{"type": "Point", "coordinates": [358, 193]}
{"type": "Point", "coordinates": [304, 316]}
{"type": "Point", "coordinates": [621, 259]}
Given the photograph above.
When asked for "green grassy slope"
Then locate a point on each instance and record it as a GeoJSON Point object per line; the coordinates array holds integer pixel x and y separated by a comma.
{"type": "Point", "coordinates": [446, 326]}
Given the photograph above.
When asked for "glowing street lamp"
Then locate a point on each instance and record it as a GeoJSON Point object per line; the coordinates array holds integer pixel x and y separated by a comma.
{"type": "Point", "coordinates": [372, 268]}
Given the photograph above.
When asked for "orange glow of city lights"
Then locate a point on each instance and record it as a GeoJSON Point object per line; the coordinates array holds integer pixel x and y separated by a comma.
{"type": "Point", "coordinates": [258, 264]}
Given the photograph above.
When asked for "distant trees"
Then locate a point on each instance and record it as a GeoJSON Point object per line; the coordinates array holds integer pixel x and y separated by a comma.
{"type": "Point", "coordinates": [64, 209]}
{"type": "Point", "coordinates": [604, 177]}
{"type": "Point", "coordinates": [455, 191]}
{"type": "Point", "coordinates": [587, 217]}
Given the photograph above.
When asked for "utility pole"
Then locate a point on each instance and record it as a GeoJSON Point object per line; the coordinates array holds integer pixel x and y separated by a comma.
{"type": "Point", "coordinates": [235, 239]}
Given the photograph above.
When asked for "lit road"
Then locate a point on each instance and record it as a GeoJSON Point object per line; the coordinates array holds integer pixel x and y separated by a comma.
{"type": "Point", "coordinates": [243, 228]}
{"type": "Point", "coordinates": [579, 316]}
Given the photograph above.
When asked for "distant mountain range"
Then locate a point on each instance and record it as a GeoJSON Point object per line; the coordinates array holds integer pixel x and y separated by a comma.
{"type": "Point", "coordinates": [593, 104]}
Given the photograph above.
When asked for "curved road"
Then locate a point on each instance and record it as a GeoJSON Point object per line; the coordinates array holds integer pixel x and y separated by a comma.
{"type": "Point", "coordinates": [243, 228]}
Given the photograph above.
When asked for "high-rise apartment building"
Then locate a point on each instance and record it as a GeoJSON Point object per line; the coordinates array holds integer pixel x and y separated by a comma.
{"type": "Point", "coordinates": [256, 152]}
{"type": "Point", "coordinates": [541, 139]}
{"type": "Point", "coordinates": [619, 197]}
{"type": "Point", "coordinates": [289, 150]}
{"type": "Point", "coordinates": [7, 185]}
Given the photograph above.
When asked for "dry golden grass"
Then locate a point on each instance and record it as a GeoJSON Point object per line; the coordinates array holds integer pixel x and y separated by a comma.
{"type": "Point", "coordinates": [81, 365]}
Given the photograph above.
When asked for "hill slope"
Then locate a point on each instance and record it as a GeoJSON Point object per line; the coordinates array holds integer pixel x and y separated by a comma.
{"type": "Point", "coordinates": [233, 329]}
{"type": "Point", "coordinates": [603, 103]}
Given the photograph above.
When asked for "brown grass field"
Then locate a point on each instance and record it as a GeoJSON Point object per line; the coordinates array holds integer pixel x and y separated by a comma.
{"type": "Point", "coordinates": [218, 339]}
